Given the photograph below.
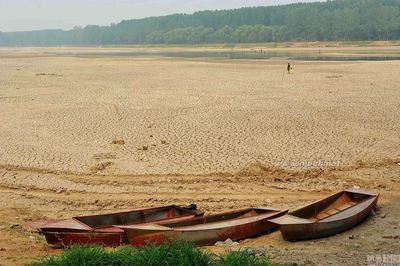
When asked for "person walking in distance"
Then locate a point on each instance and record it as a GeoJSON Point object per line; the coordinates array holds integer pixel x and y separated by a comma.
{"type": "Point", "coordinates": [289, 68]}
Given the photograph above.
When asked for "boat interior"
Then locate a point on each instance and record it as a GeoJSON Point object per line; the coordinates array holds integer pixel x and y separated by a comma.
{"type": "Point", "coordinates": [330, 206]}
{"type": "Point", "coordinates": [247, 213]}
{"type": "Point", "coordinates": [134, 217]}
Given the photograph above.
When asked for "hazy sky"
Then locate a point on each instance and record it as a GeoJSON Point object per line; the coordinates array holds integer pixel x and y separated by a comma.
{"type": "Point", "coordinates": [19, 15]}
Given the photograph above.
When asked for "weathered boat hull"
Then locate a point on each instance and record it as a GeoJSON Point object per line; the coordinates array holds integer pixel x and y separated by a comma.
{"type": "Point", "coordinates": [65, 239]}
{"type": "Point", "coordinates": [203, 233]}
{"type": "Point", "coordinates": [206, 237]}
{"type": "Point", "coordinates": [99, 229]}
{"type": "Point", "coordinates": [331, 225]}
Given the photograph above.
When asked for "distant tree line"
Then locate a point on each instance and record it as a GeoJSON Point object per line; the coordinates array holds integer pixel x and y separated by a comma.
{"type": "Point", "coordinates": [339, 20]}
{"type": "Point", "coordinates": [226, 34]}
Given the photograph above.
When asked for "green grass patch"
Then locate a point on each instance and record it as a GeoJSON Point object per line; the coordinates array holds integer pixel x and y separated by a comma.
{"type": "Point", "coordinates": [242, 257]}
{"type": "Point", "coordinates": [170, 254]}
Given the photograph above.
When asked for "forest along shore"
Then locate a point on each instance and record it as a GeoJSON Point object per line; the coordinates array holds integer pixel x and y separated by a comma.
{"type": "Point", "coordinates": [321, 21]}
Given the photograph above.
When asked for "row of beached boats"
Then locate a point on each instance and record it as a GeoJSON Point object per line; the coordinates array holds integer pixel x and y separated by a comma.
{"type": "Point", "coordinates": [326, 217]}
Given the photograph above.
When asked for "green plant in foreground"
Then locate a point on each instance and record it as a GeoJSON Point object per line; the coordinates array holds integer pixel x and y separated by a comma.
{"type": "Point", "coordinates": [175, 253]}
{"type": "Point", "coordinates": [242, 257]}
{"type": "Point", "coordinates": [169, 254]}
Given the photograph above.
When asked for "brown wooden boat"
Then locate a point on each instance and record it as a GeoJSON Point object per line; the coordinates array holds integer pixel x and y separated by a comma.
{"type": "Point", "coordinates": [329, 216]}
{"type": "Point", "coordinates": [206, 230]}
{"type": "Point", "coordinates": [100, 229]}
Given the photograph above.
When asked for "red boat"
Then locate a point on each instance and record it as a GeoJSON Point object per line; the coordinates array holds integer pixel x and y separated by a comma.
{"type": "Point", "coordinates": [206, 230]}
{"type": "Point", "coordinates": [100, 229]}
{"type": "Point", "coordinates": [329, 216]}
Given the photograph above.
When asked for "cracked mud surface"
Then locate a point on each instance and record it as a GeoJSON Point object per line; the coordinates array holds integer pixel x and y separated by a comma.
{"type": "Point", "coordinates": [96, 135]}
{"type": "Point", "coordinates": [179, 116]}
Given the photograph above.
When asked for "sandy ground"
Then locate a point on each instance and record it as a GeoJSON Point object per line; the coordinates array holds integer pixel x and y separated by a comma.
{"type": "Point", "coordinates": [89, 135]}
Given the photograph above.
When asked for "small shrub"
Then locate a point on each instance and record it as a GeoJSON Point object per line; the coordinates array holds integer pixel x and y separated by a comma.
{"type": "Point", "coordinates": [242, 257]}
{"type": "Point", "coordinates": [175, 253]}
{"type": "Point", "coordinates": [79, 255]}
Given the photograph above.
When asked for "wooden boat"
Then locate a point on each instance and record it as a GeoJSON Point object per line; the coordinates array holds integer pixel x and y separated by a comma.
{"type": "Point", "coordinates": [206, 230]}
{"type": "Point", "coordinates": [329, 216]}
{"type": "Point", "coordinates": [100, 229]}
